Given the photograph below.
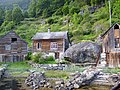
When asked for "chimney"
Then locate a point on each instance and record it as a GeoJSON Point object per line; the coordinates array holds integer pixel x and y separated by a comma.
{"type": "Point", "coordinates": [48, 30]}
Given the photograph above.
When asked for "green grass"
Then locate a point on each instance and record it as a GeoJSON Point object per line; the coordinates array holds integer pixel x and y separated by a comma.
{"type": "Point", "coordinates": [111, 70]}
{"type": "Point", "coordinates": [57, 74]}
{"type": "Point", "coordinates": [47, 62]}
{"type": "Point", "coordinates": [18, 68]}
{"type": "Point", "coordinates": [73, 68]}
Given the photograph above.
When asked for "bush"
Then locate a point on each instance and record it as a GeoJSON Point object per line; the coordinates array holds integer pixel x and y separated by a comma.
{"type": "Point", "coordinates": [50, 58]}
{"type": "Point", "coordinates": [37, 58]}
{"type": "Point", "coordinates": [29, 56]}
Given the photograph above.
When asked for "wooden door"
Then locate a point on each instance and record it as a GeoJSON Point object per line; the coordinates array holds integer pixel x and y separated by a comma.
{"type": "Point", "coordinates": [56, 55]}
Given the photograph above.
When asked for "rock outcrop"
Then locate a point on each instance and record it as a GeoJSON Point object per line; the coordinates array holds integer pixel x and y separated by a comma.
{"type": "Point", "coordinates": [83, 52]}
{"type": "Point", "coordinates": [80, 79]}
{"type": "Point", "coordinates": [37, 80]}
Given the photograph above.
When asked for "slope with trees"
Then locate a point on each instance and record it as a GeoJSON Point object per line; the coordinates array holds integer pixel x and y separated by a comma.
{"type": "Point", "coordinates": [84, 19]}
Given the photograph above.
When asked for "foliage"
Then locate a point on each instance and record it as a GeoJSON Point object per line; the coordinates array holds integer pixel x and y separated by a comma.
{"type": "Point", "coordinates": [85, 19]}
{"type": "Point", "coordinates": [57, 74]}
{"type": "Point", "coordinates": [32, 9]}
{"type": "Point", "coordinates": [65, 10]}
{"type": "Point", "coordinates": [1, 15]}
{"type": "Point", "coordinates": [17, 14]}
{"type": "Point", "coordinates": [74, 10]}
{"type": "Point", "coordinates": [8, 15]}
{"type": "Point", "coordinates": [50, 58]}
{"type": "Point", "coordinates": [38, 57]}
{"type": "Point", "coordinates": [111, 70]}
{"type": "Point", "coordinates": [73, 68]}
{"type": "Point", "coordinates": [29, 56]}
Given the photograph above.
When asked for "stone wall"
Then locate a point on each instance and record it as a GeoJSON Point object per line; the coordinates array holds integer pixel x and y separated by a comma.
{"type": "Point", "coordinates": [49, 66]}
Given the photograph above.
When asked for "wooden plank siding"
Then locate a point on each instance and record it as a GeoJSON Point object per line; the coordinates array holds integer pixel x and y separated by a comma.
{"type": "Point", "coordinates": [111, 45]}
{"type": "Point", "coordinates": [114, 60]}
{"type": "Point", "coordinates": [46, 43]}
{"type": "Point", "coordinates": [17, 48]}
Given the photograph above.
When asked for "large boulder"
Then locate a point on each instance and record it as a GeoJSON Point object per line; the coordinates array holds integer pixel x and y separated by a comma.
{"type": "Point", "coordinates": [83, 52]}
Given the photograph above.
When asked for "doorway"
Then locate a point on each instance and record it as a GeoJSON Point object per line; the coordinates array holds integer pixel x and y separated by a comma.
{"type": "Point", "coordinates": [56, 55]}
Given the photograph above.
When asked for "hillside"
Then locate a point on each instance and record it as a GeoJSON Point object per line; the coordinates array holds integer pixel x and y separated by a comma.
{"type": "Point", "coordinates": [85, 22]}
{"type": "Point", "coordinates": [9, 3]}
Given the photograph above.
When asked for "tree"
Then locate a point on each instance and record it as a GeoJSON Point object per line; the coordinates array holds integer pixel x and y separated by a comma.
{"type": "Point", "coordinates": [17, 14]}
{"type": "Point", "coordinates": [41, 6]}
{"type": "Point", "coordinates": [32, 9]}
{"type": "Point", "coordinates": [74, 10]}
{"type": "Point", "coordinates": [1, 15]}
{"type": "Point", "coordinates": [65, 9]}
{"type": "Point", "coordinates": [25, 14]}
{"type": "Point", "coordinates": [77, 18]}
{"type": "Point", "coordinates": [116, 9]}
{"type": "Point", "coordinates": [8, 15]}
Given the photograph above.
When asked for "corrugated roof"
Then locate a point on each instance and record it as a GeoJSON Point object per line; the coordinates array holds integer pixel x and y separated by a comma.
{"type": "Point", "coordinates": [50, 35]}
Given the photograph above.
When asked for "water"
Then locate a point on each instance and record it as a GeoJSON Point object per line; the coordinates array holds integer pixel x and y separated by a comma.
{"type": "Point", "coordinates": [18, 84]}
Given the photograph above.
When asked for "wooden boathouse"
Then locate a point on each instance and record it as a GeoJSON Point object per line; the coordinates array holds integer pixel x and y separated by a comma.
{"type": "Point", "coordinates": [111, 45]}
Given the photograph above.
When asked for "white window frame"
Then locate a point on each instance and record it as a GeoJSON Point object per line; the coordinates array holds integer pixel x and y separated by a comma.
{"type": "Point", "coordinates": [7, 47]}
{"type": "Point", "coordinates": [40, 46]}
{"type": "Point", "coordinates": [54, 46]}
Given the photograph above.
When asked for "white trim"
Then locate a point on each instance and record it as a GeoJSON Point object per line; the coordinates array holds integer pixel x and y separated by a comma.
{"type": "Point", "coordinates": [40, 46]}
{"type": "Point", "coordinates": [53, 46]}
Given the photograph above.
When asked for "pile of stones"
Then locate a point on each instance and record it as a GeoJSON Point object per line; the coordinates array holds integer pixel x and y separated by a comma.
{"type": "Point", "coordinates": [37, 80]}
{"type": "Point", "coordinates": [79, 79]}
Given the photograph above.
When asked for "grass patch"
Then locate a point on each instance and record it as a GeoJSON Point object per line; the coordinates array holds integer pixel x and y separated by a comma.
{"type": "Point", "coordinates": [18, 68]}
{"type": "Point", "coordinates": [57, 74]}
{"type": "Point", "coordinates": [111, 70]}
{"type": "Point", "coordinates": [47, 62]}
{"type": "Point", "coordinates": [73, 68]}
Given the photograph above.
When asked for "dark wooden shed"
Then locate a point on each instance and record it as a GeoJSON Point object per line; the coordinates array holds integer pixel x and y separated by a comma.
{"type": "Point", "coordinates": [111, 45]}
{"type": "Point", "coordinates": [12, 48]}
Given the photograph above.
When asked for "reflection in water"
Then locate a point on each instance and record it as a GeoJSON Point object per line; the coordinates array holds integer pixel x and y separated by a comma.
{"type": "Point", "coordinates": [98, 87]}
{"type": "Point", "coordinates": [18, 84]}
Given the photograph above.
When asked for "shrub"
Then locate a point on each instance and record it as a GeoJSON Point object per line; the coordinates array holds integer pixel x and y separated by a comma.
{"type": "Point", "coordinates": [29, 56]}
{"type": "Point", "coordinates": [37, 58]}
{"type": "Point", "coordinates": [50, 21]}
{"type": "Point", "coordinates": [50, 58]}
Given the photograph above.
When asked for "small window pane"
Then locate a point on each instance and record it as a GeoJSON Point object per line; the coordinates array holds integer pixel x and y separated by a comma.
{"type": "Point", "coordinates": [13, 40]}
{"type": "Point", "coordinates": [39, 46]}
{"type": "Point", "coordinates": [117, 43]}
{"type": "Point", "coordinates": [7, 47]}
{"type": "Point", "coordinates": [54, 46]}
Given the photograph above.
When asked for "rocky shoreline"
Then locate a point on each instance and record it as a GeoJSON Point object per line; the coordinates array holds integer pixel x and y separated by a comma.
{"type": "Point", "coordinates": [90, 76]}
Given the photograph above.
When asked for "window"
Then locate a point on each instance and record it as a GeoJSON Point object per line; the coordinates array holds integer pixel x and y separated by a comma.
{"type": "Point", "coordinates": [117, 43]}
{"type": "Point", "coordinates": [38, 45]}
{"type": "Point", "coordinates": [54, 46]}
{"type": "Point", "coordinates": [7, 47]}
{"type": "Point", "coordinates": [13, 40]}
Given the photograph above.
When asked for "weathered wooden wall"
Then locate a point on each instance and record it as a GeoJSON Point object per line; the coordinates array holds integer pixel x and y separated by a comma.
{"type": "Point", "coordinates": [109, 46]}
{"type": "Point", "coordinates": [45, 45]}
{"type": "Point", "coordinates": [114, 59]}
{"type": "Point", "coordinates": [17, 48]}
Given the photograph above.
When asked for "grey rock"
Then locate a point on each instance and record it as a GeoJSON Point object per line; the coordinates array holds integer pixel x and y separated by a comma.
{"type": "Point", "coordinates": [76, 86]}
{"type": "Point", "coordinates": [83, 52]}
